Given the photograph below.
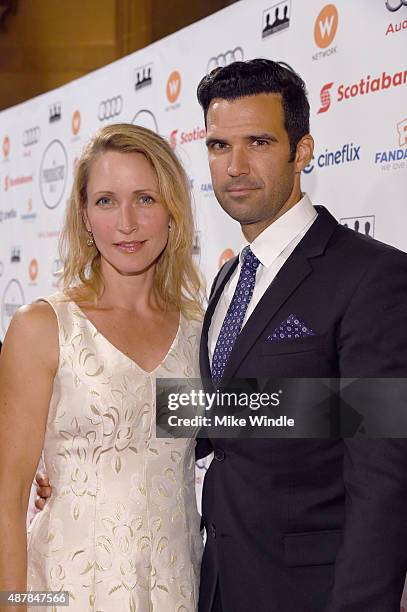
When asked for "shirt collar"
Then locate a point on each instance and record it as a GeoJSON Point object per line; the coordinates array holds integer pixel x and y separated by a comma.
{"type": "Point", "coordinates": [276, 237]}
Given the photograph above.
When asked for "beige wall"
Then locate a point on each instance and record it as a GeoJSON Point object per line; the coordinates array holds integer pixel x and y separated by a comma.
{"type": "Point", "coordinates": [50, 42]}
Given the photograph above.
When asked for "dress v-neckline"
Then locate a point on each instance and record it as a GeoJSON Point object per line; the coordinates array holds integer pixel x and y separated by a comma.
{"type": "Point", "coordinates": [117, 350]}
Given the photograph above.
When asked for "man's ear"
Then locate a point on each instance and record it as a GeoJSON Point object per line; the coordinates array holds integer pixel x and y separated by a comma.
{"type": "Point", "coordinates": [304, 152]}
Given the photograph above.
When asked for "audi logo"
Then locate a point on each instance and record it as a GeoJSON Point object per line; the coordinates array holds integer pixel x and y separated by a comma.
{"type": "Point", "coordinates": [31, 136]}
{"type": "Point", "coordinates": [395, 5]}
{"type": "Point", "coordinates": [224, 59]}
{"type": "Point", "coordinates": [108, 109]}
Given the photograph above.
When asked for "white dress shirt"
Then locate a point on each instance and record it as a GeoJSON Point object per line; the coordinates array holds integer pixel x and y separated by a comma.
{"type": "Point", "coordinates": [272, 248]}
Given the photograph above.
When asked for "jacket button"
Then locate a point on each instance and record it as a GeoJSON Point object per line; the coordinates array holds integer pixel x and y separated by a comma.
{"type": "Point", "coordinates": [219, 454]}
{"type": "Point", "coordinates": [213, 530]}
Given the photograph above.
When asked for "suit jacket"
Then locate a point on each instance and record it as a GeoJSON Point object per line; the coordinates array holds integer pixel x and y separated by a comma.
{"type": "Point", "coordinates": [313, 525]}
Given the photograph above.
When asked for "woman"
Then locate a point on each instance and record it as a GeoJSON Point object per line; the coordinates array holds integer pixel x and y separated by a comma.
{"type": "Point", "coordinates": [78, 369]}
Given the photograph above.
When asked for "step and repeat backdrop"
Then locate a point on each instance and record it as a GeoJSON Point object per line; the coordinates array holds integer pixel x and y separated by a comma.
{"type": "Point", "coordinates": [352, 55]}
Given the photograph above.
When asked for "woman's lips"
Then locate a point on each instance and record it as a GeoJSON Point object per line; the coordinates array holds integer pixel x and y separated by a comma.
{"type": "Point", "coordinates": [130, 247]}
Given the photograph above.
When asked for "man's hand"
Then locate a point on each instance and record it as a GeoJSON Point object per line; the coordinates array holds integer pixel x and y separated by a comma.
{"type": "Point", "coordinates": [43, 490]}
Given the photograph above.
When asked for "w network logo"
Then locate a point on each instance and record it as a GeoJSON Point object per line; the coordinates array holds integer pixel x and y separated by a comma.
{"type": "Point", "coordinates": [173, 88]}
{"type": "Point", "coordinates": [325, 98]}
{"type": "Point", "coordinates": [325, 26]}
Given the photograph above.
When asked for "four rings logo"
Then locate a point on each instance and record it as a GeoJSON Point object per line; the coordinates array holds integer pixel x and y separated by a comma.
{"type": "Point", "coordinates": [108, 109]}
{"type": "Point", "coordinates": [31, 136]}
{"type": "Point", "coordinates": [395, 5]}
{"type": "Point", "coordinates": [53, 174]}
{"type": "Point", "coordinates": [224, 59]}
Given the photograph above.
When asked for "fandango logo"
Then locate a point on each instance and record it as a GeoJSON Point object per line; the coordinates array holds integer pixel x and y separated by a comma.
{"type": "Point", "coordinates": [347, 154]}
{"type": "Point", "coordinates": [395, 155]}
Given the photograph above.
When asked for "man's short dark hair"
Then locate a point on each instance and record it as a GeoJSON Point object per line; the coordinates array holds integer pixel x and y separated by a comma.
{"type": "Point", "coordinates": [258, 76]}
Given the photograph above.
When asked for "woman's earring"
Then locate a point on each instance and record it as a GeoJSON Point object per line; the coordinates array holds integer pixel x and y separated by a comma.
{"type": "Point", "coordinates": [170, 225]}
{"type": "Point", "coordinates": [90, 241]}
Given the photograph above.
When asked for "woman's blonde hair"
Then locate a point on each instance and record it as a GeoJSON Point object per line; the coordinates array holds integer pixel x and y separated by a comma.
{"type": "Point", "coordinates": [177, 280]}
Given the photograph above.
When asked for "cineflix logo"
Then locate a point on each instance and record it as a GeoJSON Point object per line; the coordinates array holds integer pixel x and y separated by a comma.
{"type": "Point", "coordinates": [396, 158]}
{"type": "Point", "coordinates": [325, 27]}
{"type": "Point", "coordinates": [276, 19]}
{"type": "Point", "coordinates": [347, 153]}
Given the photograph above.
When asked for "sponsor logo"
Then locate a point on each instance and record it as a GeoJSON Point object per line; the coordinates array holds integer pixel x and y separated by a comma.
{"type": "Point", "coordinates": [6, 146]}
{"type": "Point", "coordinates": [225, 256]}
{"type": "Point", "coordinates": [17, 181]}
{"type": "Point", "coordinates": [145, 118]}
{"type": "Point", "coordinates": [13, 299]}
{"type": "Point", "coordinates": [15, 254]}
{"type": "Point", "coordinates": [111, 108]}
{"type": "Point", "coordinates": [33, 270]}
{"type": "Point", "coordinates": [55, 112]}
{"type": "Point", "coordinates": [198, 133]}
{"type": "Point", "coordinates": [196, 245]}
{"type": "Point", "coordinates": [6, 215]}
{"type": "Point", "coordinates": [31, 136]}
{"type": "Point", "coordinates": [1, 268]}
{"type": "Point", "coordinates": [224, 59]}
{"type": "Point", "coordinates": [173, 87]}
{"type": "Point", "coordinates": [395, 159]}
{"type": "Point", "coordinates": [53, 174]}
{"type": "Point", "coordinates": [325, 96]}
{"type": "Point", "coordinates": [29, 215]}
{"type": "Point", "coordinates": [365, 86]}
{"type": "Point", "coordinates": [143, 77]}
{"type": "Point", "coordinates": [276, 18]}
{"type": "Point", "coordinates": [346, 154]}
{"type": "Point", "coordinates": [206, 188]}
{"type": "Point", "coordinates": [395, 5]}
{"type": "Point", "coordinates": [363, 225]}
{"type": "Point", "coordinates": [325, 26]}
{"type": "Point", "coordinates": [394, 28]}
{"type": "Point", "coordinates": [76, 122]}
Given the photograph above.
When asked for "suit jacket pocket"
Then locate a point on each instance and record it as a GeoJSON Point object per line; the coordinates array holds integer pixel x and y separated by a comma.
{"type": "Point", "coordinates": [299, 345]}
{"type": "Point", "coordinates": [311, 547]}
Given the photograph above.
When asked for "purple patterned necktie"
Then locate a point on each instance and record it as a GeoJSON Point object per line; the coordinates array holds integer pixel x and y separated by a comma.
{"type": "Point", "coordinates": [232, 323]}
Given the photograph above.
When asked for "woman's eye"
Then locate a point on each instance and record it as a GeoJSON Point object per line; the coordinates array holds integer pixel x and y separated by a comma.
{"type": "Point", "coordinates": [104, 201]}
{"type": "Point", "coordinates": [146, 199]}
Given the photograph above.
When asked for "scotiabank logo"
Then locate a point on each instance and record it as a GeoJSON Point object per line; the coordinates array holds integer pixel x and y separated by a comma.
{"type": "Point", "coordinates": [325, 26]}
{"type": "Point", "coordinates": [6, 146]}
{"type": "Point", "coordinates": [173, 88]}
{"type": "Point", "coordinates": [365, 86]}
{"type": "Point", "coordinates": [10, 182]}
{"type": "Point", "coordinates": [184, 138]}
{"type": "Point", "coordinates": [325, 98]}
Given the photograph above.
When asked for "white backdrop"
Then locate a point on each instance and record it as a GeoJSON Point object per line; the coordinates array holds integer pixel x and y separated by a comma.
{"type": "Point", "coordinates": [349, 53]}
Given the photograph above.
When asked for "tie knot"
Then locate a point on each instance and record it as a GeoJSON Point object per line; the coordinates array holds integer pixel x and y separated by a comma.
{"type": "Point", "coordinates": [250, 260]}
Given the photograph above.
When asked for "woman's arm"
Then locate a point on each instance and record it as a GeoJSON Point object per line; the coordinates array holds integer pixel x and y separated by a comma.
{"type": "Point", "coordinates": [28, 363]}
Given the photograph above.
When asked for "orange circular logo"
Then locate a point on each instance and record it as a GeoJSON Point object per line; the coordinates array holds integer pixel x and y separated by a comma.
{"type": "Point", "coordinates": [225, 256]}
{"type": "Point", "coordinates": [325, 26]}
{"type": "Point", "coordinates": [173, 86]}
{"type": "Point", "coordinates": [76, 122]}
{"type": "Point", "coordinates": [33, 269]}
{"type": "Point", "coordinates": [6, 146]}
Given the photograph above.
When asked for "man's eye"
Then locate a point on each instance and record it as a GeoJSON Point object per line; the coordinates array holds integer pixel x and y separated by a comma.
{"type": "Point", "coordinates": [218, 146]}
{"type": "Point", "coordinates": [104, 201]}
{"type": "Point", "coordinates": [259, 142]}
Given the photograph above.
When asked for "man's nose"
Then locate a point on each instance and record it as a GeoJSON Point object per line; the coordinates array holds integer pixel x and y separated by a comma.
{"type": "Point", "coordinates": [239, 163]}
{"type": "Point", "coordinates": [128, 219]}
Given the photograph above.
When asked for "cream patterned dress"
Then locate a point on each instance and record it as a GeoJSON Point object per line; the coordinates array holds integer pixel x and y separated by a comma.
{"type": "Point", "coordinates": [121, 530]}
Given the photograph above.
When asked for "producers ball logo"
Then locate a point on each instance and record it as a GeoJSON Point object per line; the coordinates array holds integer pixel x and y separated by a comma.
{"type": "Point", "coordinates": [173, 88]}
{"type": "Point", "coordinates": [76, 122]}
{"type": "Point", "coordinates": [276, 18]}
{"type": "Point", "coordinates": [13, 299]}
{"type": "Point", "coordinates": [143, 77]}
{"type": "Point", "coordinates": [361, 225]}
{"type": "Point", "coordinates": [53, 174]}
{"type": "Point", "coordinates": [325, 26]}
{"type": "Point", "coordinates": [6, 146]}
{"type": "Point", "coordinates": [145, 118]}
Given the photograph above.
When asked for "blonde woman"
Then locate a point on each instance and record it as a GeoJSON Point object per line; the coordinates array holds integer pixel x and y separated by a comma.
{"type": "Point", "coordinates": [77, 374]}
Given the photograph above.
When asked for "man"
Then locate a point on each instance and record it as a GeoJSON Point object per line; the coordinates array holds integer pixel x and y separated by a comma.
{"type": "Point", "coordinates": [296, 524]}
